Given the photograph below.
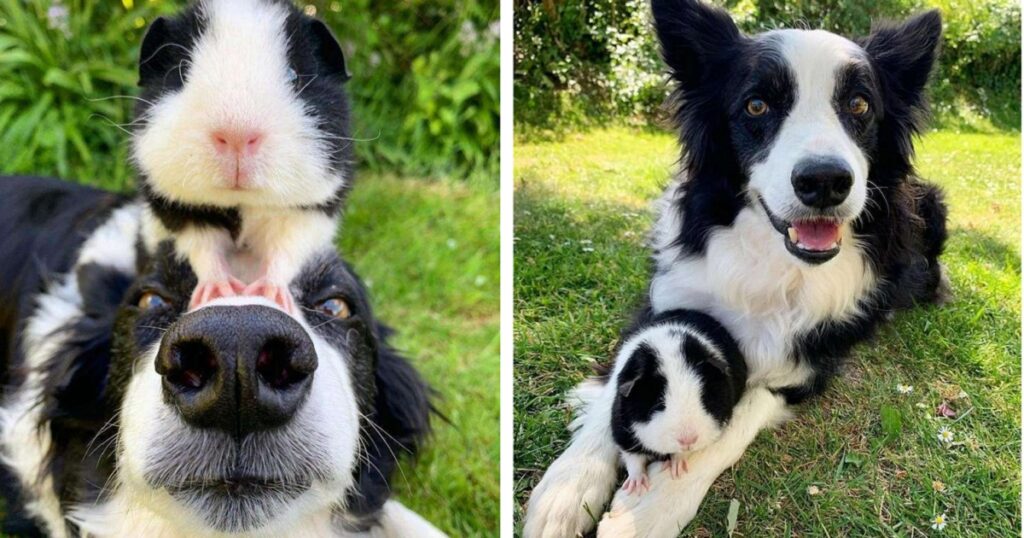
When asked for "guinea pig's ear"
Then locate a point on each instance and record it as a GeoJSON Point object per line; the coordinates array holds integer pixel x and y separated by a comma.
{"type": "Point", "coordinates": [328, 51]}
{"type": "Point", "coordinates": [695, 38]}
{"type": "Point", "coordinates": [153, 62]}
{"type": "Point", "coordinates": [626, 386]}
{"type": "Point", "coordinates": [696, 352]}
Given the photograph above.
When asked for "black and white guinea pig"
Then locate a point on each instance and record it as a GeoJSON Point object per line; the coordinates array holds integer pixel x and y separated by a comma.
{"type": "Point", "coordinates": [242, 143]}
{"type": "Point", "coordinates": [677, 379]}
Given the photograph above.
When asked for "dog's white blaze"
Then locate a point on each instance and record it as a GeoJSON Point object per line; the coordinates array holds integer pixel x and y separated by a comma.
{"type": "Point", "coordinates": [26, 445]}
{"type": "Point", "coordinates": [812, 127]}
{"type": "Point", "coordinates": [684, 411]}
{"type": "Point", "coordinates": [757, 289]}
{"type": "Point", "coordinates": [237, 78]}
{"type": "Point", "coordinates": [330, 409]}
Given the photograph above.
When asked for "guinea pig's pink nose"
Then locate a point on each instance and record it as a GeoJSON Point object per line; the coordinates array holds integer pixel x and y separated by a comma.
{"type": "Point", "coordinates": [242, 142]}
{"type": "Point", "coordinates": [687, 440]}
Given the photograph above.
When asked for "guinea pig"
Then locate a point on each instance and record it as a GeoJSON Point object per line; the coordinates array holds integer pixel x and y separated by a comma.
{"type": "Point", "coordinates": [677, 379]}
{"type": "Point", "coordinates": [241, 140]}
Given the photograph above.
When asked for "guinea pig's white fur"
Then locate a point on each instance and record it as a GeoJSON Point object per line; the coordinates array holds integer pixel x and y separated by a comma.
{"type": "Point", "coordinates": [238, 78]}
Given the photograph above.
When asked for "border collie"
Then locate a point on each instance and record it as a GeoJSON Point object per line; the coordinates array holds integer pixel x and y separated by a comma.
{"type": "Point", "coordinates": [796, 221]}
{"type": "Point", "coordinates": [126, 416]}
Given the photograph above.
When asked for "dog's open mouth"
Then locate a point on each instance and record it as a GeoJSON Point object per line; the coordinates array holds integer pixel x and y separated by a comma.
{"type": "Point", "coordinates": [814, 240]}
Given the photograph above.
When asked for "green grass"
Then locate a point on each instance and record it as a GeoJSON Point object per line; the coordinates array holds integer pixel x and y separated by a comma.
{"type": "Point", "coordinates": [592, 191]}
{"type": "Point", "coordinates": [429, 253]}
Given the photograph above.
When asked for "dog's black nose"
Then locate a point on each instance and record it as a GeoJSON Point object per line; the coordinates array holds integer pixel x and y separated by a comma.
{"type": "Point", "coordinates": [236, 368]}
{"type": "Point", "coordinates": [822, 182]}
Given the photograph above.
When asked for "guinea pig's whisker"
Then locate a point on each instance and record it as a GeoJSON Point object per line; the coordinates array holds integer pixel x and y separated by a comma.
{"type": "Point", "coordinates": [306, 85]}
{"type": "Point", "coordinates": [111, 122]}
{"type": "Point", "coordinates": [162, 47]}
{"type": "Point", "coordinates": [109, 97]}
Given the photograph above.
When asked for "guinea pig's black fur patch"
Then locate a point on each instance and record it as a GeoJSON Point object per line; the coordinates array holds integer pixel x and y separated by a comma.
{"type": "Point", "coordinates": [641, 387]}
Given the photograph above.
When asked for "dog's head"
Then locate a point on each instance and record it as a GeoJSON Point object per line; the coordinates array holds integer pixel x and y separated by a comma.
{"type": "Point", "coordinates": [801, 123]}
{"type": "Point", "coordinates": [238, 416]}
{"type": "Point", "coordinates": [242, 100]}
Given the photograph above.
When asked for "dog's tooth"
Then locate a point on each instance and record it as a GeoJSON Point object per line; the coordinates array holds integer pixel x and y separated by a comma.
{"type": "Point", "coordinates": [793, 236]}
{"type": "Point", "coordinates": [839, 241]}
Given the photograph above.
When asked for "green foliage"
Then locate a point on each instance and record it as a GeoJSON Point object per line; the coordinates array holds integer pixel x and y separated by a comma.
{"type": "Point", "coordinates": [63, 68]}
{"type": "Point", "coordinates": [425, 86]}
{"type": "Point", "coordinates": [425, 83]}
{"type": "Point", "coordinates": [574, 58]}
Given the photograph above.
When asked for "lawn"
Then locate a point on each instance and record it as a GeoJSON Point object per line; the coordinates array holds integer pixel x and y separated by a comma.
{"type": "Point", "coordinates": [839, 469]}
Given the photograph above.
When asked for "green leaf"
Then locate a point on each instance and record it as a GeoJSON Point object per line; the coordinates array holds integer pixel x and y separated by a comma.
{"type": "Point", "coordinates": [892, 422]}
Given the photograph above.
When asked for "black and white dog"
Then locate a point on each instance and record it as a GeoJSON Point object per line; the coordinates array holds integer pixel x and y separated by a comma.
{"type": "Point", "coordinates": [126, 416]}
{"type": "Point", "coordinates": [796, 221]}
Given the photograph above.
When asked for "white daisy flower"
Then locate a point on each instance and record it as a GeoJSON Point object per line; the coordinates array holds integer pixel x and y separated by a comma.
{"type": "Point", "coordinates": [904, 389]}
{"type": "Point", "coordinates": [939, 522]}
{"type": "Point", "coordinates": [945, 435]}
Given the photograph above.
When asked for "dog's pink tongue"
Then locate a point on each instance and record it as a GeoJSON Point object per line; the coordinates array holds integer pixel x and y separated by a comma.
{"type": "Point", "coordinates": [817, 234]}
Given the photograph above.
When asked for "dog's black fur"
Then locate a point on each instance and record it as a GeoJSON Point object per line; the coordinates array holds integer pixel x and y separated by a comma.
{"type": "Point", "coordinates": [44, 222]}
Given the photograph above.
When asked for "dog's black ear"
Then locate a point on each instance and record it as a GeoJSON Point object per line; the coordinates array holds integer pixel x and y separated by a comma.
{"type": "Point", "coordinates": [904, 54]}
{"type": "Point", "coordinates": [154, 59]}
{"type": "Point", "coordinates": [694, 37]}
{"type": "Point", "coordinates": [328, 52]}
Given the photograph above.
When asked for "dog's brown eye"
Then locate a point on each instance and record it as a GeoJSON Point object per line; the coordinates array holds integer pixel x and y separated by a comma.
{"type": "Point", "coordinates": [151, 300]}
{"type": "Point", "coordinates": [858, 106]}
{"type": "Point", "coordinates": [756, 107]}
{"type": "Point", "coordinates": [335, 307]}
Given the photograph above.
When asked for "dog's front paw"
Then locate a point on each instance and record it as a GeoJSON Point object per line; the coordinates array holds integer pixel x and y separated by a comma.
{"type": "Point", "coordinates": [669, 505]}
{"type": "Point", "coordinates": [569, 499]}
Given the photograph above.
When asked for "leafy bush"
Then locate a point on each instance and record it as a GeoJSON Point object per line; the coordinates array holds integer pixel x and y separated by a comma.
{"type": "Point", "coordinates": [63, 70]}
{"type": "Point", "coordinates": [579, 63]}
{"type": "Point", "coordinates": [425, 83]}
{"type": "Point", "coordinates": [425, 86]}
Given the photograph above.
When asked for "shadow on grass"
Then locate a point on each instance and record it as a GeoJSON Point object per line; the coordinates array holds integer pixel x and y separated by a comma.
{"type": "Point", "coordinates": [977, 245]}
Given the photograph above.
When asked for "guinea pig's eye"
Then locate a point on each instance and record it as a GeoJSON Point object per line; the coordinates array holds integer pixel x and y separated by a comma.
{"type": "Point", "coordinates": [858, 106]}
{"type": "Point", "coordinates": [756, 108]}
{"type": "Point", "coordinates": [292, 76]}
{"type": "Point", "coordinates": [335, 307]}
{"type": "Point", "coordinates": [150, 300]}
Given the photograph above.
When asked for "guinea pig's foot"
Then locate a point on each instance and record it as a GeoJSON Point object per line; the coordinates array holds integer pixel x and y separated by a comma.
{"type": "Point", "coordinates": [676, 465]}
{"type": "Point", "coordinates": [266, 287]}
{"type": "Point", "coordinates": [636, 485]}
{"type": "Point", "coordinates": [215, 289]}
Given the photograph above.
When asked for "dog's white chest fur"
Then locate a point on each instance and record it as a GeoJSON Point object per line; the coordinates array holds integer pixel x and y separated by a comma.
{"type": "Point", "coordinates": [751, 284]}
